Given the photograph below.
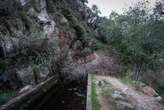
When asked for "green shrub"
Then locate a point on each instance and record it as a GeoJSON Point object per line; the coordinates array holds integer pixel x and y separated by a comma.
{"type": "Point", "coordinates": [161, 93]}
{"type": "Point", "coordinates": [2, 66]}
{"type": "Point", "coordinates": [94, 99]}
{"type": "Point", "coordinates": [70, 17]}
{"type": "Point", "coordinates": [5, 96]}
{"type": "Point", "coordinates": [100, 46]}
{"type": "Point", "coordinates": [50, 6]}
{"type": "Point", "coordinates": [80, 31]}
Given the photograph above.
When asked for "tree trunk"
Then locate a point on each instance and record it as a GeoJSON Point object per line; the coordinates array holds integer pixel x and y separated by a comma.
{"type": "Point", "coordinates": [137, 71]}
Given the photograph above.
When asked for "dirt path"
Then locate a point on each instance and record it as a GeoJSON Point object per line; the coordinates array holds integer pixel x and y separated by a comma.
{"type": "Point", "coordinates": [140, 100]}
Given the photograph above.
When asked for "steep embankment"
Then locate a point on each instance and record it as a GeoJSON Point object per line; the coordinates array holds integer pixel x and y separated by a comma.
{"type": "Point", "coordinates": [32, 32]}
{"type": "Point", "coordinates": [35, 33]}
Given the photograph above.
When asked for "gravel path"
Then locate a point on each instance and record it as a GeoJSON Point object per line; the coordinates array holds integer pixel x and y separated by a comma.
{"type": "Point", "coordinates": [140, 100]}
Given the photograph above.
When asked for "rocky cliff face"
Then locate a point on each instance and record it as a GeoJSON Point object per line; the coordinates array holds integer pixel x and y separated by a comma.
{"type": "Point", "coordinates": [31, 34]}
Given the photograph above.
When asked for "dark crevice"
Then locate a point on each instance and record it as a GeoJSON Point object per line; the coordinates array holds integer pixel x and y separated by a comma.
{"type": "Point", "coordinates": [71, 96]}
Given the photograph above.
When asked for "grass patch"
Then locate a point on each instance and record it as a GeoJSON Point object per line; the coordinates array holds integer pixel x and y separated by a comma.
{"type": "Point", "coordinates": [161, 93]}
{"type": "Point", "coordinates": [5, 96]}
{"type": "Point", "coordinates": [95, 101]}
{"type": "Point", "coordinates": [107, 89]}
{"type": "Point", "coordinates": [107, 92]}
{"type": "Point", "coordinates": [128, 81]}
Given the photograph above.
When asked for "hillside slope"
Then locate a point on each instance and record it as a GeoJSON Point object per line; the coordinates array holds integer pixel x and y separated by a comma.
{"type": "Point", "coordinates": [35, 35]}
{"type": "Point", "coordinates": [33, 31]}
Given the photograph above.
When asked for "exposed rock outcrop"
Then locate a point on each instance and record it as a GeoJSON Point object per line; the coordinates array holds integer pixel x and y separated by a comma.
{"type": "Point", "coordinates": [33, 31]}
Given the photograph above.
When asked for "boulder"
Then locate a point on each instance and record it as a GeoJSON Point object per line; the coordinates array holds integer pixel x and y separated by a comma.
{"type": "Point", "coordinates": [149, 91]}
{"type": "Point", "coordinates": [122, 105]}
{"type": "Point", "coordinates": [159, 98]}
{"type": "Point", "coordinates": [117, 95]}
{"type": "Point", "coordinates": [121, 102]}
